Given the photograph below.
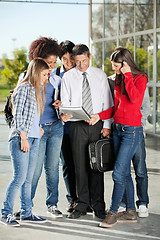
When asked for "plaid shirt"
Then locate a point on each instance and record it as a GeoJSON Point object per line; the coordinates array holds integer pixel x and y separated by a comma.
{"type": "Point", "coordinates": [24, 104]}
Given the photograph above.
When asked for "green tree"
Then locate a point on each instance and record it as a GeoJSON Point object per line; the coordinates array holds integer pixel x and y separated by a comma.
{"type": "Point", "coordinates": [13, 68]}
{"type": "Point", "coordinates": [158, 65]}
{"type": "Point", "coordinates": [144, 60]}
{"type": "Point", "coordinates": [93, 62]}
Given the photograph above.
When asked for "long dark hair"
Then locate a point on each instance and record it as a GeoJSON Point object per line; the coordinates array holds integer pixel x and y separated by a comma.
{"type": "Point", "coordinates": [123, 54]}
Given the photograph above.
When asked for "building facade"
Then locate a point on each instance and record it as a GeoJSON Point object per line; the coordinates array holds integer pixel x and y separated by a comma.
{"type": "Point", "coordinates": [134, 24]}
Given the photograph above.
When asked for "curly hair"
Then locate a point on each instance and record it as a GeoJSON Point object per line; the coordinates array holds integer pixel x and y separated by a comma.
{"type": "Point", "coordinates": [44, 47]}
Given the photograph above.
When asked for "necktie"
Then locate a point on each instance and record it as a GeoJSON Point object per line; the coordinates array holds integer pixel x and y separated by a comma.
{"type": "Point", "coordinates": [86, 95]}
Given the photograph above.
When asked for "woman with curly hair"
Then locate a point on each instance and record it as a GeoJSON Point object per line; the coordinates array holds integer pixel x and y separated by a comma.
{"type": "Point", "coordinates": [50, 144]}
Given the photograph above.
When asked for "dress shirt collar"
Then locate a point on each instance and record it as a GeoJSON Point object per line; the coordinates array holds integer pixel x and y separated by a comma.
{"type": "Point", "coordinates": [62, 69]}
{"type": "Point", "coordinates": [54, 80]}
{"type": "Point", "coordinates": [87, 71]}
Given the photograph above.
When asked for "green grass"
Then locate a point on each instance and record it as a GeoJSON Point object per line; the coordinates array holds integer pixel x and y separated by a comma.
{"type": "Point", "coordinates": [4, 92]}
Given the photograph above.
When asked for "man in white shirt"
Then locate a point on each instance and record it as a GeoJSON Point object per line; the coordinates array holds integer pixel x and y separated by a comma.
{"type": "Point", "coordinates": [90, 184]}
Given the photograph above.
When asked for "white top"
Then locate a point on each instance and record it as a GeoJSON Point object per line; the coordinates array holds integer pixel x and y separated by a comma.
{"type": "Point", "coordinates": [71, 90]}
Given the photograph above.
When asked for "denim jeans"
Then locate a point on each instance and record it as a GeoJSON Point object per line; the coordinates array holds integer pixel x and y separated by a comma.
{"type": "Point", "coordinates": [68, 168]}
{"type": "Point", "coordinates": [126, 139]}
{"type": "Point", "coordinates": [49, 154]}
{"type": "Point", "coordinates": [140, 168]}
{"type": "Point", "coordinates": [24, 164]}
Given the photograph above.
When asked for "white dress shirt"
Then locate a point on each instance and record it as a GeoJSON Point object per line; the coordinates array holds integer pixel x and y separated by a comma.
{"type": "Point", "coordinates": [71, 90]}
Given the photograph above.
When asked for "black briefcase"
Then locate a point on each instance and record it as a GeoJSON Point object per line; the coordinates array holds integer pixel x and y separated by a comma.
{"type": "Point", "coordinates": [101, 154]}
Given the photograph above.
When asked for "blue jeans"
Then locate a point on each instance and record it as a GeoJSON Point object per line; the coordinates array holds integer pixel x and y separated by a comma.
{"type": "Point", "coordinates": [140, 168]}
{"type": "Point", "coordinates": [126, 139]}
{"type": "Point", "coordinates": [24, 164]}
{"type": "Point", "coordinates": [68, 168]}
{"type": "Point", "coordinates": [49, 154]}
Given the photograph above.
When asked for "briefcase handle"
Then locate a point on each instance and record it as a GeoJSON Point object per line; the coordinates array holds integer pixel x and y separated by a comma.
{"type": "Point", "coordinates": [102, 137]}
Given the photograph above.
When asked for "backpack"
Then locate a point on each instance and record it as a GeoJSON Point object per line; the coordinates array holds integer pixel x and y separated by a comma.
{"type": "Point", "coordinates": [8, 111]}
{"type": "Point", "coordinates": [8, 107]}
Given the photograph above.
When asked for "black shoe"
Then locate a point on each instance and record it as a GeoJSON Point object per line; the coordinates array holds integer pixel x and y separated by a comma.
{"type": "Point", "coordinates": [17, 215]}
{"type": "Point", "coordinates": [76, 214]}
{"type": "Point", "coordinates": [100, 214]}
{"type": "Point", "coordinates": [89, 209]}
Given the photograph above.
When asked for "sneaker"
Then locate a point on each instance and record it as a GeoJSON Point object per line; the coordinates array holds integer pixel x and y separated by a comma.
{"type": "Point", "coordinates": [34, 219]}
{"type": "Point", "coordinates": [143, 211]}
{"type": "Point", "coordinates": [128, 216]}
{"type": "Point", "coordinates": [109, 221]}
{"type": "Point", "coordinates": [10, 221]}
{"type": "Point", "coordinates": [17, 215]}
{"type": "Point", "coordinates": [53, 210]}
{"type": "Point", "coordinates": [71, 206]}
{"type": "Point", "coordinates": [121, 209]}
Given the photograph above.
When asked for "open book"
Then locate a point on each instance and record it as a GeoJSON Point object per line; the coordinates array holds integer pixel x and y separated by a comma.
{"type": "Point", "coordinates": [78, 113]}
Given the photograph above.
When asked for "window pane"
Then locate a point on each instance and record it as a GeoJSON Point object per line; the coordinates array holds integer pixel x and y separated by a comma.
{"type": "Point", "coordinates": [97, 21]}
{"type": "Point", "coordinates": [97, 55]}
{"type": "Point", "coordinates": [110, 17]}
{"type": "Point", "coordinates": [158, 110]}
{"type": "Point", "coordinates": [126, 22]}
{"type": "Point", "coordinates": [109, 48]}
{"type": "Point", "coordinates": [144, 54]}
{"type": "Point", "coordinates": [127, 43]}
{"type": "Point", "coordinates": [158, 57]}
{"type": "Point", "coordinates": [149, 122]}
{"type": "Point", "coordinates": [158, 13]}
{"type": "Point", "coordinates": [144, 15]}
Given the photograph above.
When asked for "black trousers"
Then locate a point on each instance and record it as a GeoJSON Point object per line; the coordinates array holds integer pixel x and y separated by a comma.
{"type": "Point", "coordinates": [90, 184]}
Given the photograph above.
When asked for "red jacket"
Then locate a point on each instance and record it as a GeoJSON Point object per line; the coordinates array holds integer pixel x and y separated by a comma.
{"type": "Point", "coordinates": [126, 109]}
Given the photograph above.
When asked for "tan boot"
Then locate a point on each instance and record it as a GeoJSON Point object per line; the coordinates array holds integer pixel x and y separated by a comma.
{"type": "Point", "coordinates": [128, 216]}
{"type": "Point", "coordinates": [109, 221]}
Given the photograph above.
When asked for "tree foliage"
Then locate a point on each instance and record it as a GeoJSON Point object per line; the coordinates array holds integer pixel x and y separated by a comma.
{"type": "Point", "coordinates": [143, 58]}
{"type": "Point", "coordinates": [13, 68]}
{"type": "Point", "coordinates": [104, 25]}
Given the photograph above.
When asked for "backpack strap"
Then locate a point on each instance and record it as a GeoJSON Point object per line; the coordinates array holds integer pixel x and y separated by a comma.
{"type": "Point", "coordinates": [58, 70]}
{"type": "Point", "coordinates": [111, 84]}
{"type": "Point", "coordinates": [25, 72]}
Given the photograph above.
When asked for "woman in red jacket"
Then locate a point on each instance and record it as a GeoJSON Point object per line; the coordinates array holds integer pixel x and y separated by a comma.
{"type": "Point", "coordinates": [130, 85]}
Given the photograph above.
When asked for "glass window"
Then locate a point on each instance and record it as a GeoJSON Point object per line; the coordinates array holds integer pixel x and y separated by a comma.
{"type": "Point", "coordinates": [144, 54]}
{"type": "Point", "coordinates": [158, 57]}
{"type": "Point", "coordinates": [158, 110]}
{"type": "Point", "coordinates": [97, 55]}
{"type": "Point", "coordinates": [158, 13]}
{"type": "Point", "coordinates": [149, 122]}
{"type": "Point", "coordinates": [109, 47]}
{"type": "Point", "coordinates": [127, 43]}
{"type": "Point", "coordinates": [110, 18]}
{"type": "Point", "coordinates": [126, 21]}
{"type": "Point", "coordinates": [97, 20]}
{"type": "Point", "coordinates": [144, 15]}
